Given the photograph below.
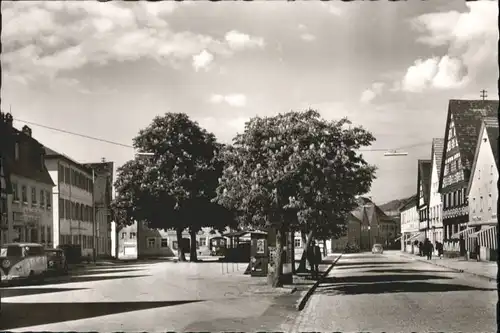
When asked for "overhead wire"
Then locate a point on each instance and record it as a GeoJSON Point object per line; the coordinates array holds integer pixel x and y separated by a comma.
{"type": "Point", "coordinates": [132, 147]}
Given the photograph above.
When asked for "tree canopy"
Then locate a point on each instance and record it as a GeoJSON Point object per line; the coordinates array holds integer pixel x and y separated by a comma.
{"type": "Point", "coordinates": [296, 170]}
{"type": "Point", "coordinates": [172, 188]}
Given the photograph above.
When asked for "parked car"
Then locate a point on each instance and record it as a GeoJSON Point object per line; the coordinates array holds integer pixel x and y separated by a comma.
{"type": "Point", "coordinates": [56, 261]}
{"type": "Point", "coordinates": [377, 248]}
{"type": "Point", "coordinates": [351, 248]}
{"type": "Point", "coordinates": [22, 261]}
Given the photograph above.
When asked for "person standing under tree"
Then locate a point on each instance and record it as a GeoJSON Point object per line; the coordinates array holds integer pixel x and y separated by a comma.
{"type": "Point", "coordinates": [310, 258]}
{"type": "Point", "coordinates": [317, 258]}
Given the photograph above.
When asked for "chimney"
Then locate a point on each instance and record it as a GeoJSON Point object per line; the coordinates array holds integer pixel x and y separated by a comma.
{"type": "Point", "coordinates": [26, 130]}
{"type": "Point", "coordinates": [8, 119]}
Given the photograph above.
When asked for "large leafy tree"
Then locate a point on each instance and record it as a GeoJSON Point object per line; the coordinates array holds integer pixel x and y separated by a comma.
{"type": "Point", "coordinates": [172, 188]}
{"type": "Point", "coordinates": [295, 171]}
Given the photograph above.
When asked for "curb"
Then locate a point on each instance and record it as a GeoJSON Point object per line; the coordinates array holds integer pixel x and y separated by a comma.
{"type": "Point", "coordinates": [451, 268]}
{"type": "Point", "coordinates": [303, 301]}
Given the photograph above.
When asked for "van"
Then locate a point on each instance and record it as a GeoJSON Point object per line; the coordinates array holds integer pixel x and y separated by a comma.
{"type": "Point", "coordinates": [22, 261]}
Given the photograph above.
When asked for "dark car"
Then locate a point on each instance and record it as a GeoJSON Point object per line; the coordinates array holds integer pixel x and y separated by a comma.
{"type": "Point", "coordinates": [56, 261]}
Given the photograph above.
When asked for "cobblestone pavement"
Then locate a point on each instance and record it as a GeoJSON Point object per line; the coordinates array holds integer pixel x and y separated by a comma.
{"type": "Point", "coordinates": [486, 269]}
{"type": "Point", "coordinates": [153, 297]}
{"type": "Point", "coordinates": [389, 293]}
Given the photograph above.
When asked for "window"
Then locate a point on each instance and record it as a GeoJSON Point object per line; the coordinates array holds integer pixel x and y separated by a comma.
{"type": "Point", "coordinates": [124, 234]}
{"type": "Point", "coordinates": [151, 242]}
{"type": "Point", "coordinates": [132, 235]}
{"type": "Point", "coordinates": [49, 235]}
{"type": "Point", "coordinates": [16, 151]}
{"type": "Point", "coordinates": [481, 204]}
{"type": "Point", "coordinates": [24, 193]}
{"type": "Point", "coordinates": [197, 244]}
{"type": "Point", "coordinates": [203, 241]}
{"type": "Point", "coordinates": [490, 202]}
{"type": "Point", "coordinates": [76, 239]}
{"type": "Point", "coordinates": [84, 242]}
{"type": "Point", "coordinates": [34, 251]}
{"type": "Point", "coordinates": [47, 199]}
{"type": "Point", "coordinates": [42, 198]}
{"type": "Point", "coordinates": [15, 191]}
{"type": "Point", "coordinates": [33, 195]}
{"type": "Point", "coordinates": [67, 175]}
{"type": "Point", "coordinates": [478, 173]}
{"type": "Point", "coordinates": [491, 169]}
{"type": "Point", "coordinates": [42, 234]}
{"type": "Point", "coordinates": [60, 174]}
{"type": "Point", "coordinates": [164, 242]}
{"type": "Point", "coordinates": [174, 245]}
{"type": "Point", "coordinates": [67, 205]}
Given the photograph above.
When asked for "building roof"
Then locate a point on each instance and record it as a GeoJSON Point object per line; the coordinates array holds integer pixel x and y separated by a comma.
{"type": "Point", "coordinates": [490, 126]}
{"type": "Point", "coordinates": [493, 137]}
{"type": "Point", "coordinates": [424, 176]}
{"type": "Point", "coordinates": [52, 154]}
{"type": "Point", "coordinates": [437, 153]}
{"type": "Point", "coordinates": [410, 202]}
{"type": "Point", "coordinates": [467, 116]}
{"type": "Point", "coordinates": [368, 212]}
{"type": "Point", "coordinates": [29, 165]}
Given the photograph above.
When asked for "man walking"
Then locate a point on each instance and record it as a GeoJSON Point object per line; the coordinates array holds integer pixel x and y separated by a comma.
{"type": "Point", "coordinates": [310, 258]}
{"type": "Point", "coordinates": [317, 258]}
{"type": "Point", "coordinates": [428, 248]}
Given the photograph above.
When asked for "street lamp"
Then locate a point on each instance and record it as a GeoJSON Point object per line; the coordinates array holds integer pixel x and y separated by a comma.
{"type": "Point", "coordinates": [395, 153]}
{"type": "Point", "coordinates": [137, 155]}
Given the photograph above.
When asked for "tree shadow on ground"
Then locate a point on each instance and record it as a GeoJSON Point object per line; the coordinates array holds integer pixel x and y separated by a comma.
{"type": "Point", "coordinates": [14, 292]}
{"type": "Point", "coordinates": [16, 315]}
{"type": "Point", "coordinates": [384, 285]}
{"type": "Point", "coordinates": [360, 266]}
{"type": "Point", "coordinates": [379, 278]}
{"type": "Point", "coordinates": [104, 271]}
{"type": "Point", "coordinates": [371, 263]}
{"type": "Point", "coordinates": [407, 271]}
{"type": "Point", "coordinates": [75, 279]}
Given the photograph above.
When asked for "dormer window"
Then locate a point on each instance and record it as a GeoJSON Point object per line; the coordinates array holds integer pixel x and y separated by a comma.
{"type": "Point", "coordinates": [16, 151]}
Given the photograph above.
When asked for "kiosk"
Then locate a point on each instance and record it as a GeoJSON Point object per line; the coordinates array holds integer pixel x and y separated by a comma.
{"type": "Point", "coordinates": [259, 253]}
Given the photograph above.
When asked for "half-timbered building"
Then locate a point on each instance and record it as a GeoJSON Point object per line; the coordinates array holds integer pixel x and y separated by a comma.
{"type": "Point", "coordinates": [462, 128]}
{"type": "Point", "coordinates": [423, 191]}
{"type": "Point", "coordinates": [482, 193]}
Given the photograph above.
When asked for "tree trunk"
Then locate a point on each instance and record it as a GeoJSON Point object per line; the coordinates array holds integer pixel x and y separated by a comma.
{"type": "Point", "coordinates": [306, 243]}
{"type": "Point", "coordinates": [180, 248]}
{"type": "Point", "coordinates": [193, 255]}
{"type": "Point", "coordinates": [292, 248]}
{"type": "Point", "coordinates": [277, 274]}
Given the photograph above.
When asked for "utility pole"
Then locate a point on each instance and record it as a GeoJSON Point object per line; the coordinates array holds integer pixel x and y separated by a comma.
{"type": "Point", "coordinates": [94, 212]}
{"type": "Point", "coordinates": [484, 94]}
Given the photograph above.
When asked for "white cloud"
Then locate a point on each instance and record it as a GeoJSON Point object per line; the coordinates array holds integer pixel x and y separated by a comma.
{"type": "Point", "coordinates": [333, 9]}
{"type": "Point", "coordinates": [440, 73]}
{"type": "Point", "coordinates": [471, 38]}
{"type": "Point", "coordinates": [202, 60]}
{"type": "Point", "coordinates": [238, 40]}
{"type": "Point", "coordinates": [369, 94]}
{"type": "Point", "coordinates": [46, 38]}
{"type": "Point", "coordinates": [236, 100]}
{"type": "Point", "coordinates": [308, 37]}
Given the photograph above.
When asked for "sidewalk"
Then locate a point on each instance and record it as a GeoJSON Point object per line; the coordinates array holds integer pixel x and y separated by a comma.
{"type": "Point", "coordinates": [486, 269]}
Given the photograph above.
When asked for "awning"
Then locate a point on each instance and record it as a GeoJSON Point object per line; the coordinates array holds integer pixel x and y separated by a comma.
{"type": "Point", "coordinates": [457, 235]}
{"type": "Point", "coordinates": [398, 238]}
{"type": "Point", "coordinates": [416, 236]}
{"type": "Point", "coordinates": [486, 237]}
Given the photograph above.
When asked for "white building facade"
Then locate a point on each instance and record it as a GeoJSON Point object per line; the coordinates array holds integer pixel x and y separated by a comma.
{"type": "Point", "coordinates": [435, 201]}
{"type": "Point", "coordinates": [73, 218]}
{"type": "Point", "coordinates": [409, 224]}
{"type": "Point", "coordinates": [483, 194]}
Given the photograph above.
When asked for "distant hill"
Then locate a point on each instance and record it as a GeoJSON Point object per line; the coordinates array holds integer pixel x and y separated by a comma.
{"type": "Point", "coordinates": [393, 204]}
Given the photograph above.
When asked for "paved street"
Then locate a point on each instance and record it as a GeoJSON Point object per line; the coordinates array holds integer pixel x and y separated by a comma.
{"type": "Point", "coordinates": [391, 293]}
{"type": "Point", "coordinates": [149, 297]}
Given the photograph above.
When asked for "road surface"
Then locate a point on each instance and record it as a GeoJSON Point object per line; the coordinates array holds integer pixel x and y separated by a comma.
{"type": "Point", "coordinates": [152, 297]}
{"type": "Point", "coordinates": [390, 293]}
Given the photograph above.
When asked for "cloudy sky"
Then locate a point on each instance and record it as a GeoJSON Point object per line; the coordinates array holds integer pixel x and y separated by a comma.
{"type": "Point", "coordinates": [106, 69]}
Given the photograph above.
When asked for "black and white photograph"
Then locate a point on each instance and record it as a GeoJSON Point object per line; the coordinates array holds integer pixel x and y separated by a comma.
{"type": "Point", "coordinates": [249, 166]}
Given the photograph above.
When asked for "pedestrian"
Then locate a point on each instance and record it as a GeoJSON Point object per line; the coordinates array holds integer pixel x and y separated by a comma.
{"type": "Point", "coordinates": [478, 250]}
{"type": "Point", "coordinates": [317, 259]}
{"type": "Point", "coordinates": [439, 249]}
{"type": "Point", "coordinates": [310, 258]}
{"type": "Point", "coordinates": [420, 249]}
{"type": "Point", "coordinates": [430, 249]}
